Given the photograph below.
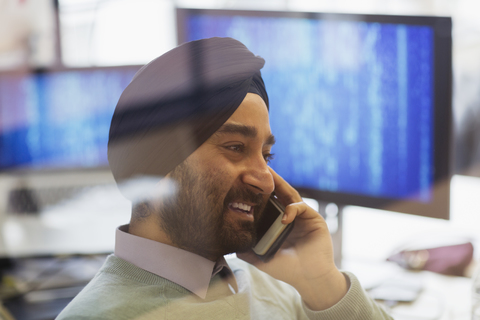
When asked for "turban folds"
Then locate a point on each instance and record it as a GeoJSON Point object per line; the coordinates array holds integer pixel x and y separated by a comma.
{"type": "Point", "coordinates": [176, 102]}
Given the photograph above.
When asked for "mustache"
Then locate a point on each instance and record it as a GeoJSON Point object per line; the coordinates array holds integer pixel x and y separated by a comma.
{"type": "Point", "coordinates": [246, 195]}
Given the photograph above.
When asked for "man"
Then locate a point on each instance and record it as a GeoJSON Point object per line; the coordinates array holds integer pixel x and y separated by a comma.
{"type": "Point", "coordinates": [198, 117]}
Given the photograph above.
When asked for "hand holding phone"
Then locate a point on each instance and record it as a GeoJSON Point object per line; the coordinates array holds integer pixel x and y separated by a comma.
{"type": "Point", "coordinates": [310, 246]}
{"type": "Point", "coordinates": [271, 232]}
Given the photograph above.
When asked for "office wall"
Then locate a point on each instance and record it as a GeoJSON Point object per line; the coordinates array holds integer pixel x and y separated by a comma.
{"type": "Point", "coordinates": [27, 33]}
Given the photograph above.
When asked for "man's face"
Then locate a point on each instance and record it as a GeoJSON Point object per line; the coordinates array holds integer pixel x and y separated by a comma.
{"type": "Point", "coordinates": [223, 186]}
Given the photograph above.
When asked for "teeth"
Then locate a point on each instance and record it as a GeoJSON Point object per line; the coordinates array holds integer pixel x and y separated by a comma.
{"type": "Point", "coordinates": [242, 206]}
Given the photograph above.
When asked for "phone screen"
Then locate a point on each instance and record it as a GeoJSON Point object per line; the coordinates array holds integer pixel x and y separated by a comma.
{"type": "Point", "coordinates": [270, 214]}
{"type": "Point", "coordinates": [271, 232]}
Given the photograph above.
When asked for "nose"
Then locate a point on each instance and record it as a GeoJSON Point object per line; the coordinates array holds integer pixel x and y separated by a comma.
{"type": "Point", "coordinates": [258, 177]}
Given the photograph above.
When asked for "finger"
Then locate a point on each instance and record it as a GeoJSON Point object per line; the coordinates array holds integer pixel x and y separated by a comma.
{"type": "Point", "coordinates": [283, 190]}
{"type": "Point", "coordinates": [294, 210]}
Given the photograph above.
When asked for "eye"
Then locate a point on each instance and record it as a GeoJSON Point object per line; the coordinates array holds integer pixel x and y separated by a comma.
{"type": "Point", "coordinates": [268, 157]}
{"type": "Point", "coordinates": [236, 148]}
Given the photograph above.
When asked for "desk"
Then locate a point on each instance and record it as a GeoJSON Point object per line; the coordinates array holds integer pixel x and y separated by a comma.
{"type": "Point", "coordinates": [442, 297]}
{"type": "Point", "coordinates": [370, 236]}
{"type": "Point", "coordinates": [85, 224]}
{"type": "Point", "coordinates": [39, 288]}
{"type": "Point", "coordinates": [450, 296]}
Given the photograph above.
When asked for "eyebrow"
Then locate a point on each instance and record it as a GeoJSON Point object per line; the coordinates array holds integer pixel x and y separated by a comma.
{"type": "Point", "coordinates": [244, 130]}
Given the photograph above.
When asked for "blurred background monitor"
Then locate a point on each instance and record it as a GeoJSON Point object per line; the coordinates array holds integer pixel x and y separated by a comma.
{"type": "Point", "coordinates": [55, 182]}
{"type": "Point", "coordinates": [58, 120]}
{"type": "Point", "coordinates": [360, 104]}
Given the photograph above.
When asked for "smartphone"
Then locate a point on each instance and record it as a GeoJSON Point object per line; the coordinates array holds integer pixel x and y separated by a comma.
{"type": "Point", "coordinates": [271, 232]}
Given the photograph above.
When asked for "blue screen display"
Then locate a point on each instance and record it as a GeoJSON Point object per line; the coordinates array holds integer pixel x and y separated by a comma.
{"type": "Point", "coordinates": [60, 119]}
{"type": "Point", "coordinates": [351, 102]}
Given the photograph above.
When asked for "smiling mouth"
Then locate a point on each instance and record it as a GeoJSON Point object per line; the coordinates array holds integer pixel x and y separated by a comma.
{"type": "Point", "coordinates": [243, 209]}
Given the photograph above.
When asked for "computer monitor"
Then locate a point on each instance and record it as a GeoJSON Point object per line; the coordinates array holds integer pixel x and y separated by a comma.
{"type": "Point", "coordinates": [360, 104]}
{"type": "Point", "coordinates": [58, 120]}
{"type": "Point", "coordinates": [55, 182]}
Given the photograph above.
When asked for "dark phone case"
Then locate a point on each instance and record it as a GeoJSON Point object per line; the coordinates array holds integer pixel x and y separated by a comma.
{"type": "Point", "coordinates": [277, 244]}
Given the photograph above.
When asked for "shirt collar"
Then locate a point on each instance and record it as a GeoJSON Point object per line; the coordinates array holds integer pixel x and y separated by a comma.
{"type": "Point", "coordinates": [187, 269]}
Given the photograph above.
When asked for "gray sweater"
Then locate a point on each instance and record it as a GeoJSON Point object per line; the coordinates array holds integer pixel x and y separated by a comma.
{"type": "Point", "coordinates": [121, 290]}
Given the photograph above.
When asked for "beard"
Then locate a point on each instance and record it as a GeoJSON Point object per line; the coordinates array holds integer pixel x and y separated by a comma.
{"type": "Point", "coordinates": [198, 219]}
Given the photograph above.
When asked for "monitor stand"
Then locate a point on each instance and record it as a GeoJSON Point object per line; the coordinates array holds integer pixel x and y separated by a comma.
{"type": "Point", "coordinates": [334, 219]}
{"type": "Point", "coordinates": [337, 239]}
{"type": "Point", "coordinates": [333, 215]}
